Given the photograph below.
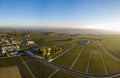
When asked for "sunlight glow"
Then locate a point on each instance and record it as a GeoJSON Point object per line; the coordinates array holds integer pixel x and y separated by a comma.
{"type": "Point", "coordinates": [108, 27]}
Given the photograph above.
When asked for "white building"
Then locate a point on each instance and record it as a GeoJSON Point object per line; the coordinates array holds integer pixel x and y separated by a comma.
{"type": "Point", "coordinates": [29, 42]}
{"type": "Point", "coordinates": [4, 50]}
{"type": "Point", "coordinates": [14, 53]}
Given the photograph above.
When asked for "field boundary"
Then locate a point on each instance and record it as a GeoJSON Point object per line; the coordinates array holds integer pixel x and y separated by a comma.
{"type": "Point", "coordinates": [101, 50]}
{"type": "Point", "coordinates": [51, 75]}
{"type": "Point", "coordinates": [87, 70]}
{"type": "Point", "coordinates": [77, 57]}
{"type": "Point", "coordinates": [27, 67]}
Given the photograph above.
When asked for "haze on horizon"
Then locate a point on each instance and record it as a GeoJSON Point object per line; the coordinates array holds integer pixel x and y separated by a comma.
{"type": "Point", "coordinates": [96, 14]}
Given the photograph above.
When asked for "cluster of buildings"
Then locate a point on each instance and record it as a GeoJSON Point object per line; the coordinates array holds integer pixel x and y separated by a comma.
{"type": "Point", "coordinates": [12, 46]}
{"type": "Point", "coordinates": [9, 42]}
{"type": "Point", "coordinates": [9, 48]}
{"type": "Point", "coordinates": [16, 42]}
{"type": "Point", "coordinates": [12, 49]}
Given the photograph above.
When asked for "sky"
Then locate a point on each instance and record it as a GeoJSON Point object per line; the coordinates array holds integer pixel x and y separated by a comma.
{"type": "Point", "coordinates": [97, 14]}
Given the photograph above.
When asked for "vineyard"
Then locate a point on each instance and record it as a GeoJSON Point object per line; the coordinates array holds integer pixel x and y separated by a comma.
{"type": "Point", "coordinates": [97, 57]}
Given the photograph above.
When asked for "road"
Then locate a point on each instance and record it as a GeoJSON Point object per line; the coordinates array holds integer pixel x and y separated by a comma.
{"type": "Point", "coordinates": [75, 72]}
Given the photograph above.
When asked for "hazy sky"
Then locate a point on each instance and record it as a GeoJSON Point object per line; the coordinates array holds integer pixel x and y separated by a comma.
{"type": "Point", "coordinates": [104, 14]}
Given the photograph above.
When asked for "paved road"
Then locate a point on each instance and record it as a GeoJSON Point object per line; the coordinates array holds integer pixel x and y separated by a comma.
{"type": "Point", "coordinates": [75, 72]}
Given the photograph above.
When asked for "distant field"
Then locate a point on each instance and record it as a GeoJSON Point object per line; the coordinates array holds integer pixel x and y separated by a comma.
{"type": "Point", "coordinates": [112, 44]}
{"type": "Point", "coordinates": [10, 72]}
{"type": "Point", "coordinates": [66, 45]}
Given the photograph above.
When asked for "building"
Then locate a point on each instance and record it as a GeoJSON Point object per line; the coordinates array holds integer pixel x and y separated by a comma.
{"type": "Point", "coordinates": [14, 53]}
{"type": "Point", "coordinates": [3, 50]}
{"type": "Point", "coordinates": [48, 51]}
{"type": "Point", "coordinates": [84, 42]}
{"type": "Point", "coordinates": [13, 42]}
{"type": "Point", "coordinates": [29, 42]}
{"type": "Point", "coordinates": [9, 48]}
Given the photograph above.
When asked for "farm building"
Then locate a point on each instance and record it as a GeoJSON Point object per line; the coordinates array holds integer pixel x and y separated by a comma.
{"type": "Point", "coordinates": [29, 42]}
{"type": "Point", "coordinates": [84, 42]}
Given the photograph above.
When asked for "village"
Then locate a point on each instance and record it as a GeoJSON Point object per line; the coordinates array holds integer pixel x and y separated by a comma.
{"type": "Point", "coordinates": [9, 48]}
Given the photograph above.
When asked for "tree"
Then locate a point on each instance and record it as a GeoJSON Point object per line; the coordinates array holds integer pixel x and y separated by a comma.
{"type": "Point", "coordinates": [42, 52]}
{"type": "Point", "coordinates": [60, 49]}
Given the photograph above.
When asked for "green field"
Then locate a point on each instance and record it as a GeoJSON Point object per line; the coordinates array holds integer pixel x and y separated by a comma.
{"type": "Point", "coordinates": [40, 70]}
{"type": "Point", "coordinates": [82, 62]}
{"type": "Point", "coordinates": [112, 64]}
{"type": "Point", "coordinates": [113, 46]}
{"type": "Point", "coordinates": [64, 47]}
{"type": "Point", "coordinates": [96, 64]}
{"type": "Point", "coordinates": [68, 58]}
